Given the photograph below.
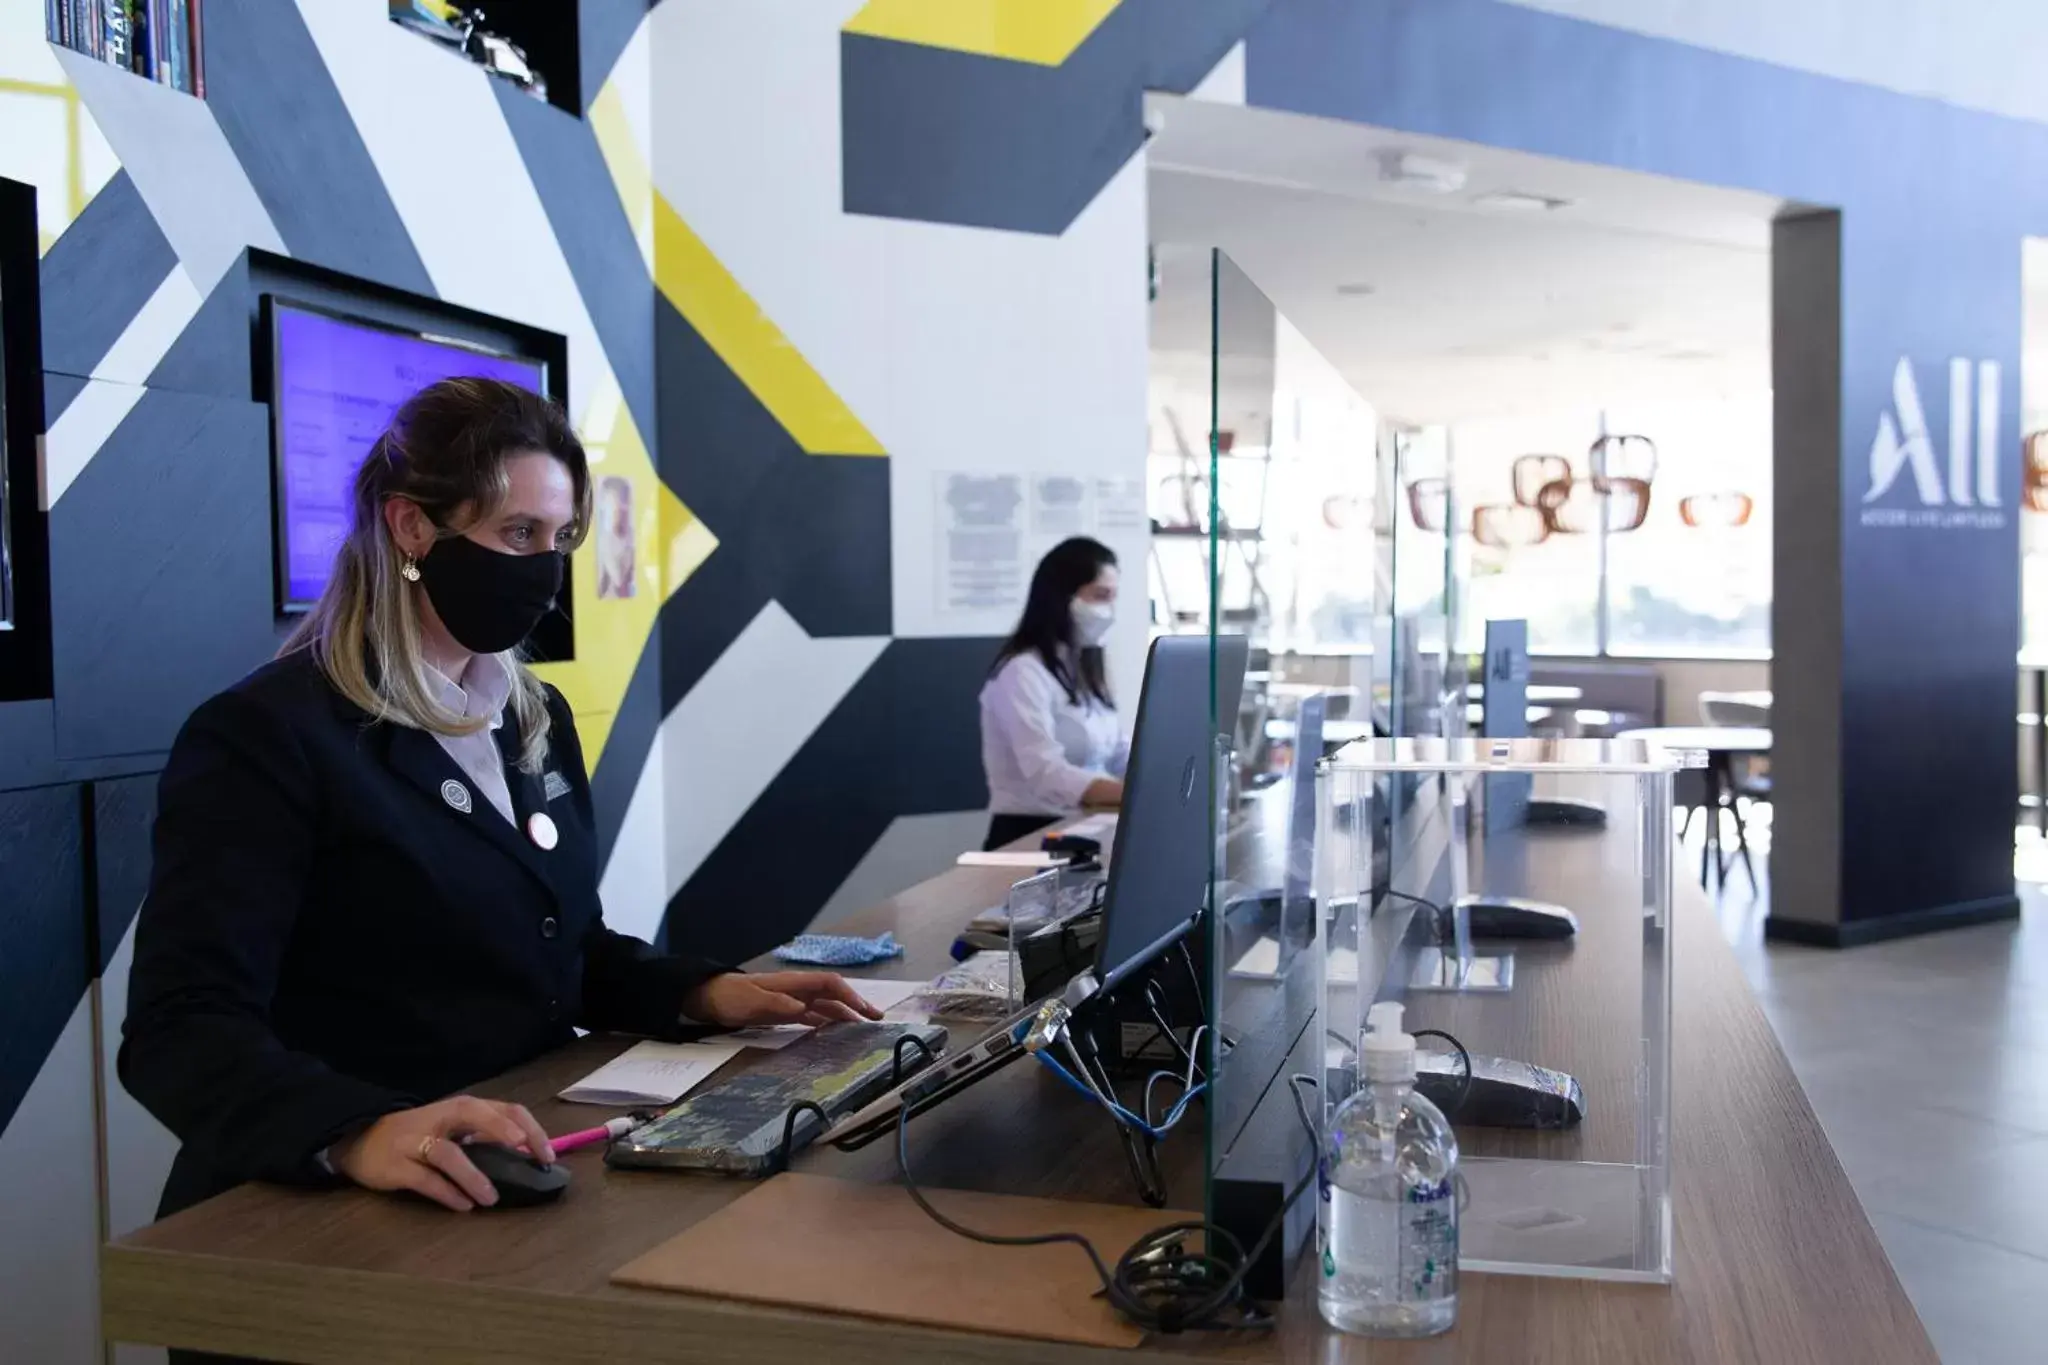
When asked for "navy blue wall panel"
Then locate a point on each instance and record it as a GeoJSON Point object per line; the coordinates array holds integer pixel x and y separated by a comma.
{"type": "Point", "coordinates": [213, 355]}
{"type": "Point", "coordinates": [123, 813]}
{"type": "Point", "coordinates": [934, 686]}
{"type": "Point", "coordinates": [43, 965]}
{"type": "Point", "coordinates": [272, 96]}
{"type": "Point", "coordinates": [604, 27]}
{"type": "Point", "coordinates": [906, 740]}
{"type": "Point", "coordinates": [1184, 42]}
{"type": "Point", "coordinates": [161, 569]}
{"type": "Point", "coordinates": [597, 241]}
{"type": "Point", "coordinates": [955, 137]}
{"type": "Point", "coordinates": [98, 275]}
{"type": "Point", "coordinates": [750, 894]}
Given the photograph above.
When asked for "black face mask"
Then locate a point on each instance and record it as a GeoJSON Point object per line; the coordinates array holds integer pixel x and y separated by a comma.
{"type": "Point", "coordinates": [489, 600]}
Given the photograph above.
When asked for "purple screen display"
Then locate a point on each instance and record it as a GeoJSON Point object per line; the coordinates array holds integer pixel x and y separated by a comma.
{"type": "Point", "coordinates": [337, 385]}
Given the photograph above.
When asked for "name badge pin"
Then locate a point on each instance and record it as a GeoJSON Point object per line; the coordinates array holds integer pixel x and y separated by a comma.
{"type": "Point", "coordinates": [541, 830]}
{"type": "Point", "coordinates": [456, 795]}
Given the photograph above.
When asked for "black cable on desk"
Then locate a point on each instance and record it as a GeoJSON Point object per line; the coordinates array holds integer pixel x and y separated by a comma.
{"type": "Point", "coordinates": [1158, 1284]}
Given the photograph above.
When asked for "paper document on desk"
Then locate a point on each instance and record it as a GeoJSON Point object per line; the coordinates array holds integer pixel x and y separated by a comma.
{"type": "Point", "coordinates": [999, 858]}
{"type": "Point", "coordinates": [652, 1073]}
{"type": "Point", "coordinates": [886, 996]}
{"type": "Point", "coordinates": [1261, 961]}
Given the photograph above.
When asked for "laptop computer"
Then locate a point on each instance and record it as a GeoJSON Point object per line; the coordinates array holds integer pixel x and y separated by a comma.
{"type": "Point", "coordinates": [1157, 878]}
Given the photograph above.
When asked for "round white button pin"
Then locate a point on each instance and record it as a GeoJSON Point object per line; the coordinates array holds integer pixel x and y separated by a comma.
{"type": "Point", "coordinates": [542, 831]}
{"type": "Point", "coordinates": [456, 795]}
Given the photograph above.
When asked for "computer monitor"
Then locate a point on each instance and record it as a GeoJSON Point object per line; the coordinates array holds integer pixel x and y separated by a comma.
{"type": "Point", "coordinates": [1297, 880]}
{"type": "Point", "coordinates": [1159, 865]}
{"type": "Point", "coordinates": [336, 380]}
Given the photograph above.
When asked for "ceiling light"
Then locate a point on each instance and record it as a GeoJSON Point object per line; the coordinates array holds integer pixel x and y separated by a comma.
{"type": "Point", "coordinates": [1357, 289]}
{"type": "Point", "coordinates": [1433, 174]}
{"type": "Point", "coordinates": [1518, 201]}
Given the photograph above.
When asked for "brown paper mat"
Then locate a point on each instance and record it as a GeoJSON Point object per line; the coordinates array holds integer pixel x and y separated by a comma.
{"type": "Point", "coordinates": [809, 1241]}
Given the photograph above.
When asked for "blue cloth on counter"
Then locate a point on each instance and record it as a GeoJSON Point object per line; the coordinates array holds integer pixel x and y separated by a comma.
{"type": "Point", "coordinates": [839, 950]}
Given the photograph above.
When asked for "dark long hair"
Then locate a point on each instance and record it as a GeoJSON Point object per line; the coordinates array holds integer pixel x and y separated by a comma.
{"type": "Point", "coordinates": [1047, 626]}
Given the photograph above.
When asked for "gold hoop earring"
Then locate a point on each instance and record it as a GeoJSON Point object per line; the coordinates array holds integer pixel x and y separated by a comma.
{"type": "Point", "coordinates": [410, 570]}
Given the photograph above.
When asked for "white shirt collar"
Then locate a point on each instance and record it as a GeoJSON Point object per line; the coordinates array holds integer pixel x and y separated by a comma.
{"type": "Point", "coordinates": [486, 685]}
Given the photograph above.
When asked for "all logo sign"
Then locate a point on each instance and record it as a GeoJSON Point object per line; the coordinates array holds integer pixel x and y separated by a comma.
{"type": "Point", "coordinates": [1968, 496]}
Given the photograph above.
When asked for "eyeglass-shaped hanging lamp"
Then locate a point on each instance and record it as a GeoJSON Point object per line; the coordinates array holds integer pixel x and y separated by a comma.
{"type": "Point", "coordinates": [1573, 507]}
{"type": "Point", "coordinates": [1509, 526]}
{"type": "Point", "coordinates": [1531, 472]}
{"type": "Point", "coordinates": [1615, 457]}
{"type": "Point", "coordinates": [2034, 479]}
{"type": "Point", "coordinates": [1429, 504]}
{"type": "Point", "coordinates": [1727, 508]}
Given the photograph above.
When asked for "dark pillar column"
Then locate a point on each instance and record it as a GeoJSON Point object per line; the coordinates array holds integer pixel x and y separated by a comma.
{"type": "Point", "coordinates": [1895, 365]}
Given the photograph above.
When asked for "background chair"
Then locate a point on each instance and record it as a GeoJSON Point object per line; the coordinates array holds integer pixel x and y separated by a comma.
{"type": "Point", "coordinates": [1749, 774]}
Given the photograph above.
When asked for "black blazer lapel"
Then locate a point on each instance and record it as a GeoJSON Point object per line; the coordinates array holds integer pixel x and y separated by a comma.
{"type": "Point", "coordinates": [418, 757]}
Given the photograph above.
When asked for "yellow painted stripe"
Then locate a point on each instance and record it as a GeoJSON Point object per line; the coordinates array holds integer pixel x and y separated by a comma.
{"type": "Point", "coordinates": [668, 544]}
{"type": "Point", "coordinates": [744, 337]}
{"type": "Point", "coordinates": [59, 173]}
{"type": "Point", "coordinates": [1042, 31]}
{"type": "Point", "coordinates": [628, 164]}
{"type": "Point", "coordinates": [687, 542]}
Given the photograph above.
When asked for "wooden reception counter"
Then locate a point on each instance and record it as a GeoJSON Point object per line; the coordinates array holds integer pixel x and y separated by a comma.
{"type": "Point", "coordinates": [1775, 1259]}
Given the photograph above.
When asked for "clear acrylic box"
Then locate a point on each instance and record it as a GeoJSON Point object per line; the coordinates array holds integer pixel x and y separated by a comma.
{"type": "Point", "coordinates": [1446, 870]}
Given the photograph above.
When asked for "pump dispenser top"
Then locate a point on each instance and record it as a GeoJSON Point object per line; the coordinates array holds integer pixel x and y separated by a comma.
{"type": "Point", "coordinates": [1388, 1053]}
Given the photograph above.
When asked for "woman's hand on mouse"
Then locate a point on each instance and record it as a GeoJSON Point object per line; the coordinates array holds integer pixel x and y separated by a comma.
{"type": "Point", "coordinates": [421, 1149]}
{"type": "Point", "coordinates": [739, 1000]}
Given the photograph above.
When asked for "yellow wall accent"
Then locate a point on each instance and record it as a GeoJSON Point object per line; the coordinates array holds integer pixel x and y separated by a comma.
{"type": "Point", "coordinates": [1041, 31]}
{"type": "Point", "coordinates": [745, 338]}
{"type": "Point", "coordinates": [687, 542]}
{"type": "Point", "coordinates": [65, 182]}
{"type": "Point", "coordinates": [627, 161]}
{"type": "Point", "coordinates": [669, 543]}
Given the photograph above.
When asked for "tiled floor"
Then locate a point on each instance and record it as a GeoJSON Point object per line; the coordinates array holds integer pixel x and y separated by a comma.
{"type": "Point", "coordinates": [1927, 1061]}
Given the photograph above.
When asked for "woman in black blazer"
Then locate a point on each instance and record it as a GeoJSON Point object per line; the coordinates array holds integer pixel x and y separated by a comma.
{"type": "Point", "coordinates": [375, 880]}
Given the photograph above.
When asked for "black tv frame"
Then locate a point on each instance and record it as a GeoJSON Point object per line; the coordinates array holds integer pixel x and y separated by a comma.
{"type": "Point", "coordinates": [25, 669]}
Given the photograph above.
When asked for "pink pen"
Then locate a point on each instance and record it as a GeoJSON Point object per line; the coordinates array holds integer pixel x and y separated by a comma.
{"type": "Point", "coordinates": [613, 1128]}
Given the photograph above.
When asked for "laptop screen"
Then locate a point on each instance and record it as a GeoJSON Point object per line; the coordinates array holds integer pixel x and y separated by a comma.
{"type": "Point", "coordinates": [1161, 864]}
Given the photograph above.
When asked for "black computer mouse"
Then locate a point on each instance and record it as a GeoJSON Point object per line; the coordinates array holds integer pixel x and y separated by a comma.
{"type": "Point", "coordinates": [521, 1181]}
{"type": "Point", "coordinates": [1514, 917]}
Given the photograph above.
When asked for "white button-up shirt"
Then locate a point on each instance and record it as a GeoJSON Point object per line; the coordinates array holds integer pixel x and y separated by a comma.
{"type": "Point", "coordinates": [485, 686]}
{"type": "Point", "coordinates": [1039, 749]}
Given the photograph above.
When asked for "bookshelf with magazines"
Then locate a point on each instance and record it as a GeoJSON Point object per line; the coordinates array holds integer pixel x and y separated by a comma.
{"type": "Point", "coordinates": [159, 40]}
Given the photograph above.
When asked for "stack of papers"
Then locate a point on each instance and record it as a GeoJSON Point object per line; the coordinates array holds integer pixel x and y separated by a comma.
{"type": "Point", "coordinates": [652, 1073]}
{"type": "Point", "coordinates": [1000, 858]}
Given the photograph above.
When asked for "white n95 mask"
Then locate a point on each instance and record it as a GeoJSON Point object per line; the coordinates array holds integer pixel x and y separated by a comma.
{"type": "Point", "coordinates": [1092, 621]}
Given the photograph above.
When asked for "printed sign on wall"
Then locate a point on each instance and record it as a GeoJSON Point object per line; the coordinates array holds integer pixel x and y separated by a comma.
{"type": "Point", "coordinates": [1969, 497]}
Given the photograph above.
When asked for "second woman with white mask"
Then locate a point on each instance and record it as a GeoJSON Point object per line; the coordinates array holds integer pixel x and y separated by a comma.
{"type": "Point", "coordinates": [1051, 740]}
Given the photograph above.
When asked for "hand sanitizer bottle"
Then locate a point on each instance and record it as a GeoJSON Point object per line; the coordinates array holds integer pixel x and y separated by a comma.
{"type": "Point", "coordinates": [1387, 1229]}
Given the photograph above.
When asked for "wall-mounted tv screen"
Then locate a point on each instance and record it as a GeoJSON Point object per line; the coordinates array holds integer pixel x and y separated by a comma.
{"type": "Point", "coordinates": [335, 382]}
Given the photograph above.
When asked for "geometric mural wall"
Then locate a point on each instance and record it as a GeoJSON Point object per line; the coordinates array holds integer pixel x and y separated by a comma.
{"type": "Point", "coordinates": [763, 499]}
{"type": "Point", "coordinates": [773, 675]}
